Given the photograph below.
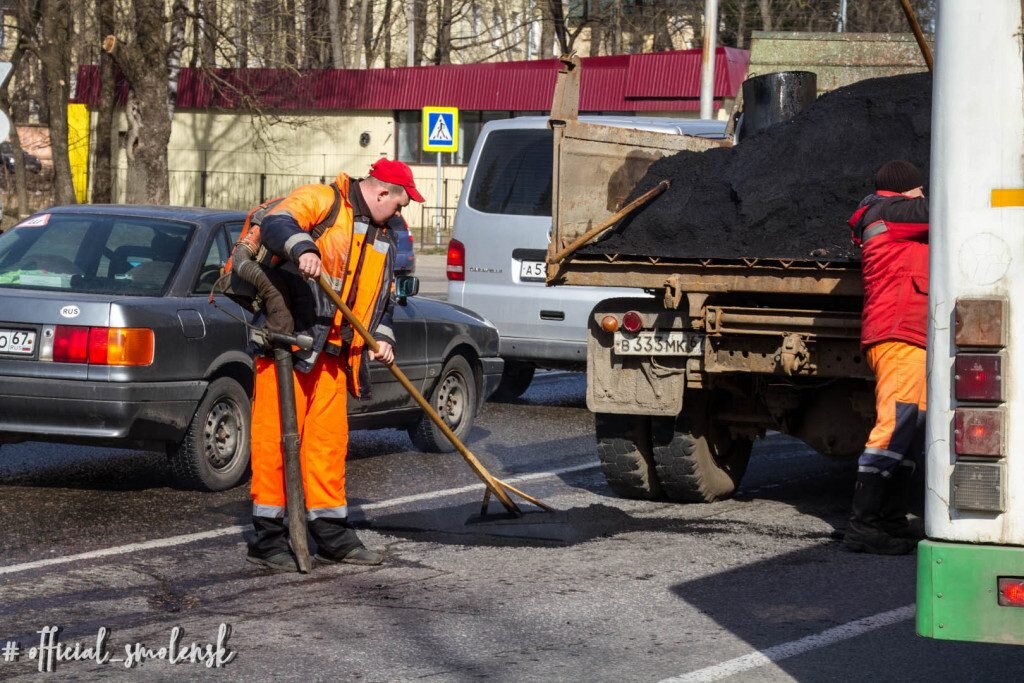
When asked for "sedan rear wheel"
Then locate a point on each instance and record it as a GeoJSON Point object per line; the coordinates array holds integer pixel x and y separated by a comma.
{"type": "Point", "coordinates": [214, 455]}
{"type": "Point", "coordinates": [455, 399]}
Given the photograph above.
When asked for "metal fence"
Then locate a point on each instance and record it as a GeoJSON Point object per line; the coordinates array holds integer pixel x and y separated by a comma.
{"type": "Point", "coordinates": [431, 224]}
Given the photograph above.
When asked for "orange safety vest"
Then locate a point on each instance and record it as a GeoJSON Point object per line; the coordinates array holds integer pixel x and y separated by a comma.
{"type": "Point", "coordinates": [343, 250]}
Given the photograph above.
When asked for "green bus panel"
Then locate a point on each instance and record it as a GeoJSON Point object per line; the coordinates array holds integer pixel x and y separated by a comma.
{"type": "Point", "coordinates": [957, 592]}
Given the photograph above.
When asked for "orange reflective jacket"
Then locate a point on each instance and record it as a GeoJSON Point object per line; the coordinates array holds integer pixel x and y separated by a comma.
{"type": "Point", "coordinates": [359, 269]}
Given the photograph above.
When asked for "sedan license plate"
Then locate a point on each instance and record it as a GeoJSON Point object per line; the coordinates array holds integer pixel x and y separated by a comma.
{"type": "Point", "coordinates": [17, 342]}
{"type": "Point", "coordinates": [532, 270]}
{"type": "Point", "coordinates": [658, 343]}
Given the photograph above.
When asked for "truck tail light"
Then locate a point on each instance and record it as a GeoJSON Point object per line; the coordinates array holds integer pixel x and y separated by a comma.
{"type": "Point", "coordinates": [103, 345]}
{"type": "Point", "coordinates": [632, 322]}
{"type": "Point", "coordinates": [1011, 591]}
{"type": "Point", "coordinates": [456, 260]}
{"type": "Point", "coordinates": [978, 431]}
{"type": "Point", "coordinates": [609, 323]}
{"type": "Point", "coordinates": [978, 377]}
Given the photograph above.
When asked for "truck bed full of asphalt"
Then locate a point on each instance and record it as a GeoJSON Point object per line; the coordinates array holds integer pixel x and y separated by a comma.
{"type": "Point", "coordinates": [787, 192]}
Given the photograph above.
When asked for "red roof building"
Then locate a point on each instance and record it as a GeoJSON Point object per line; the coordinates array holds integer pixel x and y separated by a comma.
{"type": "Point", "coordinates": [658, 82]}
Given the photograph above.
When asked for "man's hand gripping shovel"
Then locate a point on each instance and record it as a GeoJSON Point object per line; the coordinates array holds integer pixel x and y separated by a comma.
{"type": "Point", "coordinates": [495, 486]}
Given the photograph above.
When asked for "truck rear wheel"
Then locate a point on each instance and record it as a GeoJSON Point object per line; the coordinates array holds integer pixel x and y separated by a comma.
{"type": "Point", "coordinates": [624, 447]}
{"type": "Point", "coordinates": [697, 460]}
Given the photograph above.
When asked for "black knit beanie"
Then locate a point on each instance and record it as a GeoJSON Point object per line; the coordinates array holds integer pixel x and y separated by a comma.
{"type": "Point", "coordinates": [898, 176]}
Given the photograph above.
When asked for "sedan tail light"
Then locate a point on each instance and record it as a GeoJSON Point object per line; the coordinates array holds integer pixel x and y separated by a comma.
{"type": "Point", "coordinates": [103, 345]}
{"type": "Point", "coordinates": [456, 260]}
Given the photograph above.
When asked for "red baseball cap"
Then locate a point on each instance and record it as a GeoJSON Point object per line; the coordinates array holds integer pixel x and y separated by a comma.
{"type": "Point", "coordinates": [396, 172]}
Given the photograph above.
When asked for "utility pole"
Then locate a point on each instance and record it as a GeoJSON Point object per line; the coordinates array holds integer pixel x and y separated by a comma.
{"type": "Point", "coordinates": [841, 21]}
{"type": "Point", "coordinates": [707, 73]}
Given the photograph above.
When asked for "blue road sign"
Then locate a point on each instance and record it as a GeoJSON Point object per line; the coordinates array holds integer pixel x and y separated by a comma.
{"type": "Point", "coordinates": [440, 129]}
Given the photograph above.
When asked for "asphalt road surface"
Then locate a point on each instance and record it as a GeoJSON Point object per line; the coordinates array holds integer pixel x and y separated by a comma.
{"type": "Point", "coordinates": [98, 547]}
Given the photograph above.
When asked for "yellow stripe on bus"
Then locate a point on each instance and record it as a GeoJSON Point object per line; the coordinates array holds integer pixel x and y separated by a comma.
{"type": "Point", "coordinates": [1008, 197]}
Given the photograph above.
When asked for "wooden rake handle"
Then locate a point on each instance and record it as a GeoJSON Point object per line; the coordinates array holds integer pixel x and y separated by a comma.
{"type": "Point", "coordinates": [496, 486]}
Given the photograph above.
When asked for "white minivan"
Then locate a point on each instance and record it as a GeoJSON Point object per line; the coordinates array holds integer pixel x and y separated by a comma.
{"type": "Point", "coordinates": [500, 240]}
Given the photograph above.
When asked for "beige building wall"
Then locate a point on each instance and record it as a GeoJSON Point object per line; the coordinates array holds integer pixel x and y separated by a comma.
{"type": "Point", "coordinates": [238, 152]}
{"type": "Point", "coordinates": [838, 59]}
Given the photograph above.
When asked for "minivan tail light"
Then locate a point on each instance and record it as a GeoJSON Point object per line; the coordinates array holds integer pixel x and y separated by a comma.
{"type": "Point", "coordinates": [103, 345]}
{"type": "Point", "coordinates": [456, 260]}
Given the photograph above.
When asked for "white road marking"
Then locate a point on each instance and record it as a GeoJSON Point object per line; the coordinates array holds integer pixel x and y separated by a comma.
{"type": "Point", "coordinates": [796, 647]}
{"type": "Point", "coordinates": [237, 529]}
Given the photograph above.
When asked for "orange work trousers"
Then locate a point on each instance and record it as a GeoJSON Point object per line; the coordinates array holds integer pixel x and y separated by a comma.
{"type": "Point", "coordinates": [900, 404]}
{"type": "Point", "coordinates": [321, 399]}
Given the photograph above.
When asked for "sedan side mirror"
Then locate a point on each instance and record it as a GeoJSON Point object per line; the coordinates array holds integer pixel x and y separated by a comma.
{"type": "Point", "coordinates": [406, 286]}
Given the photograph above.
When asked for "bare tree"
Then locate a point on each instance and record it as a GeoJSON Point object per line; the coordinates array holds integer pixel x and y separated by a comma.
{"type": "Point", "coordinates": [20, 187]}
{"type": "Point", "coordinates": [51, 46]}
{"type": "Point", "coordinates": [102, 173]}
{"type": "Point", "coordinates": [150, 64]}
{"type": "Point", "coordinates": [336, 10]}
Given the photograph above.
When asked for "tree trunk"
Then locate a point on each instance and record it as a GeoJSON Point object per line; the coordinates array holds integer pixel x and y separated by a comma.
{"type": "Point", "coordinates": [241, 34]}
{"type": "Point", "coordinates": [358, 47]}
{"type": "Point", "coordinates": [103, 165]}
{"type": "Point", "coordinates": [55, 57]}
{"type": "Point", "coordinates": [291, 39]}
{"type": "Point", "coordinates": [547, 38]}
{"type": "Point", "coordinates": [420, 12]}
{"type": "Point", "coordinates": [334, 11]}
{"type": "Point", "coordinates": [20, 190]}
{"type": "Point", "coordinates": [150, 65]}
{"type": "Point", "coordinates": [443, 48]}
{"type": "Point", "coordinates": [765, 6]}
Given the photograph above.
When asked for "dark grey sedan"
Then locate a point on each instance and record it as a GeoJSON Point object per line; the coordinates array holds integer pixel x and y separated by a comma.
{"type": "Point", "coordinates": [107, 338]}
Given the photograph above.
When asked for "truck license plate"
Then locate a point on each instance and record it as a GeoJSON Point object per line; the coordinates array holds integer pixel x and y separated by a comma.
{"type": "Point", "coordinates": [658, 343]}
{"type": "Point", "coordinates": [532, 270]}
{"type": "Point", "coordinates": [19, 342]}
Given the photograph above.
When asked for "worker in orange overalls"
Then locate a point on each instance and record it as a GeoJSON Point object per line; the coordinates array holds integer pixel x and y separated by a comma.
{"type": "Point", "coordinates": [356, 253]}
{"type": "Point", "coordinates": [891, 228]}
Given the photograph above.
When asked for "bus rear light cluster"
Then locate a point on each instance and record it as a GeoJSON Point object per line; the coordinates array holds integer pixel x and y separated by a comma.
{"type": "Point", "coordinates": [979, 431]}
{"type": "Point", "coordinates": [978, 377]}
{"type": "Point", "coordinates": [1011, 591]}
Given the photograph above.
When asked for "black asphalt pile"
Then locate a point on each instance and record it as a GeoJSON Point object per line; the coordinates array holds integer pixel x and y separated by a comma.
{"type": "Point", "coordinates": [788, 191]}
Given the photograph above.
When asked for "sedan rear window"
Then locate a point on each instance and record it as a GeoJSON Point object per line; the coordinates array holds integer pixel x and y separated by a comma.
{"type": "Point", "coordinates": [513, 174]}
{"type": "Point", "coordinates": [95, 254]}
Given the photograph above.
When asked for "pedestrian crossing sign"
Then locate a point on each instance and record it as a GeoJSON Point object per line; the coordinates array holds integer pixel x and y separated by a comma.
{"type": "Point", "coordinates": [440, 129]}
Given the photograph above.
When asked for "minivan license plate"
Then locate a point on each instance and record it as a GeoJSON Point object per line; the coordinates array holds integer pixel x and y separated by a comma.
{"type": "Point", "coordinates": [658, 343]}
{"type": "Point", "coordinates": [532, 270]}
{"type": "Point", "coordinates": [20, 342]}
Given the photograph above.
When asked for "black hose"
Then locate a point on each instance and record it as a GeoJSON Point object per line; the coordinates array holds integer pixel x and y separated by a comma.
{"type": "Point", "coordinates": [245, 266]}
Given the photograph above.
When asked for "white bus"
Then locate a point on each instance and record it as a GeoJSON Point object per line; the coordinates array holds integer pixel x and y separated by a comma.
{"type": "Point", "coordinates": [971, 568]}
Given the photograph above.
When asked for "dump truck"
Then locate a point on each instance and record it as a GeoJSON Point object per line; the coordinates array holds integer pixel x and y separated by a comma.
{"type": "Point", "coordinates": [728, 348]}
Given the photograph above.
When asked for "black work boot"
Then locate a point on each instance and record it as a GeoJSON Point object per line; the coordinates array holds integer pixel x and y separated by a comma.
{"type": "Point", "coordinates": [895, 506]}
{"type": "Point", "coordinates": [269, 548]}
{"type": "Point", "coordinates": [336, 542]}
{"type": "Point", "coordinates": [865, 533]}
